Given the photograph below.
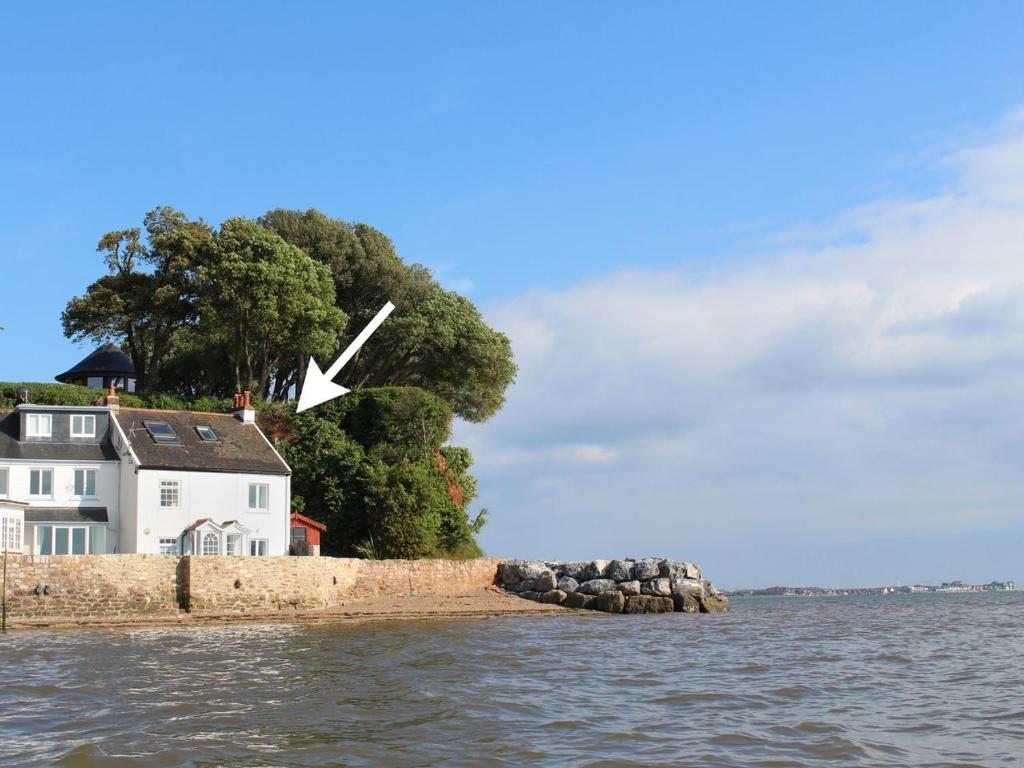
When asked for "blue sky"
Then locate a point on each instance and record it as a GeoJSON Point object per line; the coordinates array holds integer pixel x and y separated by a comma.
{"type": "Point", "coordinates": [541, 156]}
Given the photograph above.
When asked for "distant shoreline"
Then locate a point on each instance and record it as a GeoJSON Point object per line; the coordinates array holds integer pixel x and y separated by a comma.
{"type": "Point", "coordinates": [951, 587]}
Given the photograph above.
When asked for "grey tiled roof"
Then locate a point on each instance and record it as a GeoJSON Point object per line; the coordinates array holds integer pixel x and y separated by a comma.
{"type": "Point", "coordinates": [239, 447]}
{"type": "Point", "coordinates": [11, 448]}
{"type": "Point", "coordinates": [66, 515]}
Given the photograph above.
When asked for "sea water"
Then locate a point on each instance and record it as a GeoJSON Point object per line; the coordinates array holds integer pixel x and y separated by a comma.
{"type": "Point", "coordinates": [909, 680]}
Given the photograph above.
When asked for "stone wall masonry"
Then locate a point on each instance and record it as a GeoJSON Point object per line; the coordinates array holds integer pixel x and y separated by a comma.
{"type": "Point", "coordinates": [647, 585]}
{"type": "Point", "coordinates": [123, 588]}
{"type": "Point", "coordinates": [245, 584]}
{"type": "Point", "coordinates": [43, 589]}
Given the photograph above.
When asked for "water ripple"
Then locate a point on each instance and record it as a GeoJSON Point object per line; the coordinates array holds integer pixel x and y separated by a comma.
{"type": "Point", "coordinates": [930, 680]}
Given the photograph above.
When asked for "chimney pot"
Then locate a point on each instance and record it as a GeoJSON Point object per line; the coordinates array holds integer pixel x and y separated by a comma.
{"type": "Point", "coordinates": [111, 400]}
{"type": "Point", "coordinates": [244, 411]}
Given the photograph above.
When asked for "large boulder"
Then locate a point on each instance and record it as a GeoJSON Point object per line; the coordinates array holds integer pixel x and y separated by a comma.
{"type": "Point", "coordinates": [687, 587]}
{"type": "Point", "coordinates": [508, 573]}
{"type": "Point", "coordinates": [675, 569]}
{"type": "Point", "coordinates": [686, 603]}
{"type": "Point", "coordinates": [619, 570]}
{"type": "Point", "coordinates": [648, 604]}
{"type": "Point", "coordinates": [553, 596]}
{"type": "Point", "coordinates": [579, 600]}
{"type": "Point", "coordinates": [573, 569]}
{"type": "Point", "coordinates": [629, 587]}
{"type": "Point", "coordinates": [595, 569]}
{"type": "Point", "coordinates": [545, 581]}
{"type": "Point", "coordinates": [596, 586]}
{"type": "Point", "coordinates": [657, 587]}
{"type": "Point", "coordinates": [530, 595]}
{"type": "Point", "coordinates": [714, 604]}
{"type": "Point", "coordinates": [529, 570]}
{"type": "Point", "coordinates": [610, 602]}
{"type": "Point", "coordinates": [567, 584]}
{"type": "Point", "coordinates": [646, 569]}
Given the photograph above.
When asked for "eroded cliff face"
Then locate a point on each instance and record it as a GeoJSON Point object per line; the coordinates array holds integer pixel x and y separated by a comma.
{"type": "Point", "coordinates": [648, 585]}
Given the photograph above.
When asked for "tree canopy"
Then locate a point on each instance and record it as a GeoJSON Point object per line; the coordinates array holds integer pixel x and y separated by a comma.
{"type": "Point", "coordinates": [264, 303]}
{"type": "Point", "coordinates": [147, 295]}
{"type": "Point", "coordinates": [435, 339]}
{"type": "Point", "coordinates": [206, 311]}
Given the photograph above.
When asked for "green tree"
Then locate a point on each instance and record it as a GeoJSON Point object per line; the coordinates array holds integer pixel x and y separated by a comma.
{"type": "Point", "coordinates": [264, 302]}
{"type": "Point", "coordinates": [372, 467]}
{"type": "Point", "coordinates": [327, 479]}
{"type": "Point", "coordinates": [148, 295]}
{"type": "Point", "coordinates": [435, 339]}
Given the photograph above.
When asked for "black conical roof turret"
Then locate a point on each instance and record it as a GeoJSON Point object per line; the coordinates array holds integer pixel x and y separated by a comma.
{"type": "Point", "coordinates": [108, 362]}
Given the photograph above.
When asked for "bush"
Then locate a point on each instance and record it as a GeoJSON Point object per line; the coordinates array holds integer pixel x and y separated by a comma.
{"type": "Point", "coordinates": [73, 394]}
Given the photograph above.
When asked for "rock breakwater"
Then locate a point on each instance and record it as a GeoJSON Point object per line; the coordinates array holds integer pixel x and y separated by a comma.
{"type": "Point", "coordinates": [647, 585]}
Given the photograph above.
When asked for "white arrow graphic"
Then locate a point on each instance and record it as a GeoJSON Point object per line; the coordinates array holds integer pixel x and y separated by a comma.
{"type": "Point", "coordinates": [318, 386]}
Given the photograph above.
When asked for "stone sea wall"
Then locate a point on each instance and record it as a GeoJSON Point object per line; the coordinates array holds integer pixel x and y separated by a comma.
{"type": "Point", "coordinates": [255, 584]}
{"type": "Point", "coordinates": [90, 587]}
{"type": "Point", "coordinates": [44, 590]}
{"type": "Point", "coordinates": [72, 589]}
{"type": "Point", "coordinates": [648, 585]}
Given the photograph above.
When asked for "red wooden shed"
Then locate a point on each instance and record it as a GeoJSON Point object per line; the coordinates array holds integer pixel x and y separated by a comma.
{"type": "Point", "coordinates": [306, 530]}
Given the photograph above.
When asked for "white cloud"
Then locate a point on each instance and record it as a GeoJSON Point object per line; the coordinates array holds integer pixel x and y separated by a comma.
{"type": "Point", "coordinates": [865, 388]}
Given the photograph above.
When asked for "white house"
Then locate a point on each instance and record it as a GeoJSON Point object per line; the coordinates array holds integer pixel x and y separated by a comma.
{"type": "Point", "coordinates": [105, 479]}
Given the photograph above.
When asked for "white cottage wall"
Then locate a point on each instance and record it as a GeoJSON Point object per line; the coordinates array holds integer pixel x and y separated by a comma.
{"type": "Point", "coordinates": [219, 496]}
{"type": "Point", "coordinates": [108, 484]}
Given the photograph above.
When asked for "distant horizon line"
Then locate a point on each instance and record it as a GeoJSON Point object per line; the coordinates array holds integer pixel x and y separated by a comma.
{"type": "Point", "coordinates": [957, 585]}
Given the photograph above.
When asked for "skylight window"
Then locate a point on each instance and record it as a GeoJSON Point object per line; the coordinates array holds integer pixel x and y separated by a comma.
{"type": "Point", "coordinates": [161, 432]}
{"type": "Point", "coordinates": [206, 434]}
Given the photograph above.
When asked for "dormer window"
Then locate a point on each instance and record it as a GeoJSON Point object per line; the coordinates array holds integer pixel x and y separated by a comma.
{"type": "Point", "coordinates": [83, 425]}
{"type": "Point", "coordinates": [161, 432]}
{"type": "Point", "coordinates": [38, 425]}
{"type": "Point", "coordinates": [206, 434]}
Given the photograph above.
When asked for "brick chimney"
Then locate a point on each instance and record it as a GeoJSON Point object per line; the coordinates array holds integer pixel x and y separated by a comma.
{"type": "Point", "coordinates": [111, 400]}
{"type": "Point", "coordinates": [244, 411]}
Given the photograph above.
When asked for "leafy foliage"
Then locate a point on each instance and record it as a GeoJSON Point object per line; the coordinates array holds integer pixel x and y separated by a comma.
{"type": "Point", "coordinates": [263, 301]}
{"type": "Point", "coordinates": [435, 339]}
{"type": "Point", "coordinates": [147, 296]}
{"type": "Point", "coordinates": [366, 466]}
{"type": "Point", "coordinates": [71, 394]}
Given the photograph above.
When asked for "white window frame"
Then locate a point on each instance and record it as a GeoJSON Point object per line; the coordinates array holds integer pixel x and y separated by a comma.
{"type": "Point", "coordinates": [168, 542]}
{"type": "Point", "coordinates": [255, 545]}
{"type": "Point", "coordinates": [262, 489]}
{"type": "Point", "coordinates": [12, 531]}
{"type": "Point", "coordinates": [86, 418]}
{"type": "Point", "coordinates": [168, 485]}
{"type": "Point", "coordinates": [40, 495]}
{"type": "Point", "coordinates": [32, 425]}
{"type": "Point", "coordinates": [5, 485]}
{"type": "Point", "coordinates": [85, 482]}
{"type": "Point", "coordinates": [202, 543]}
{"type": "Point", "coordinates": [236, 539]}
{"type": "Point", "coordinates": [69, 527]}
